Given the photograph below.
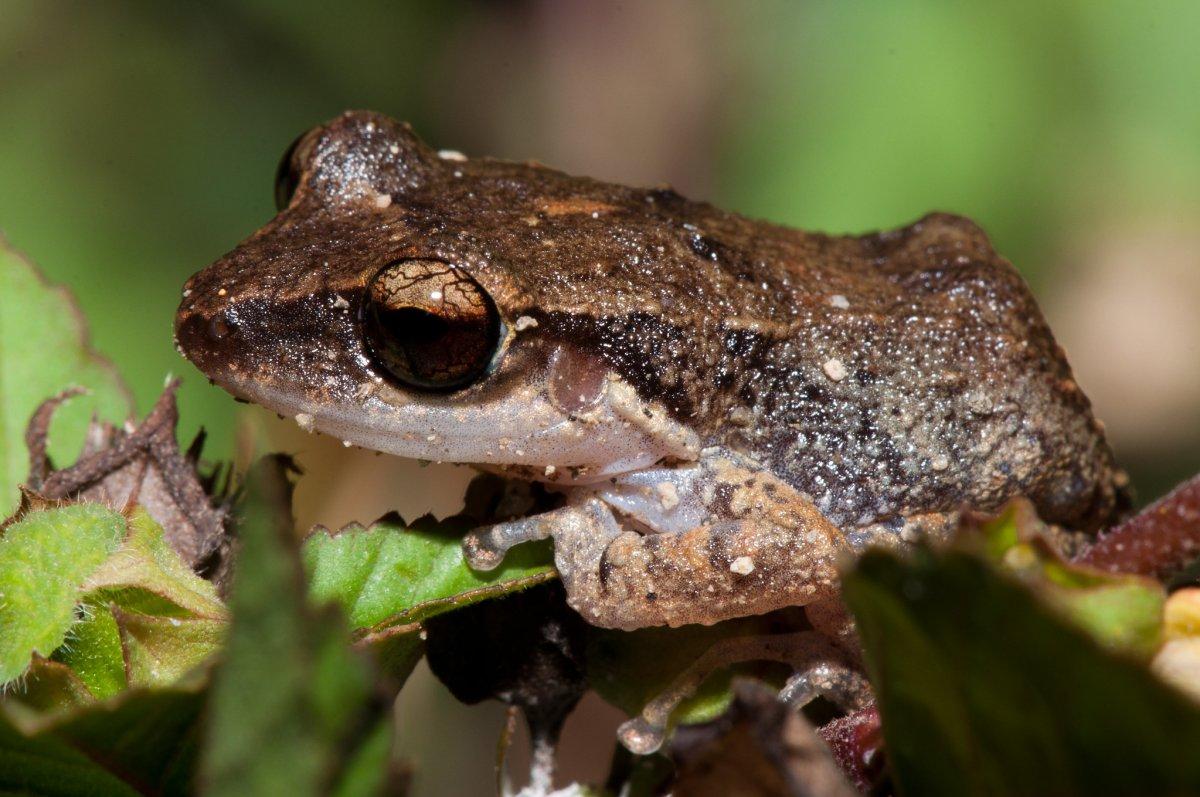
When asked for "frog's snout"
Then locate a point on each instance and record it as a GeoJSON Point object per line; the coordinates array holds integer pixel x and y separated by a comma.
{"type": "Point", "coordinates": [206, 338]}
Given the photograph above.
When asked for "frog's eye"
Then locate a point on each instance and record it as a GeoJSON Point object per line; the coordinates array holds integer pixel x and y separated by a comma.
{"type": "Point", "coordinates": [287, 174]}
{"type": "Point", "coordinates": [430, 325]}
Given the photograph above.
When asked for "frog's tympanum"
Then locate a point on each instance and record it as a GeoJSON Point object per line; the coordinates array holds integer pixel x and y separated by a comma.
{"type": "Point", "coordinates": [726, 406]}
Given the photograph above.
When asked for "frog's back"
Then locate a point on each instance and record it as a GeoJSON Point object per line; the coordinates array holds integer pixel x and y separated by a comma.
{"type": "Point", "coordinates": [884, 376]}
{"type": "Point", "coordinates": [907, 372]}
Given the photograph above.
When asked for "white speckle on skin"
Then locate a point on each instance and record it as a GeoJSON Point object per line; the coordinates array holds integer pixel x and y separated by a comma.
{"type": "Point", "coordinates": [340, 303]}
{"type": "Point", "coordinates": [394, 149]}
{"type": "Point", "coordinates": [451, 155]}
{"type": "Point", "coordinates": [979, 403]}
{"type": "Point", "coordinates": [549, 470]}
{"type": "Point", "coordinates": [525, 322]}
{"type": "Point", "coordinates": [347, 443]}
{"type": "Point", "coordinates": [383, 200]}
{"type": "Point", "coordinates": [668, 496]}
{"type": "Point", "coordinates": [834, 369]}
{"type": "Point", "coordinates": [940, 462]}
{"type": "Point", "coordinates": [741, 416]}
{"type": "Point", "coordinates": [743, 566]}
{"type": "Point", "coordinates": [222, 292]}
{"type": "Point", "coordinates": [432, 438]}
{"type": "Point", "coordinates": [187, 292]}
{"type": "Point", "coordinates": [304, 421]}
{"type": "Point", "coordinates": [435, 296]}
{"type": "Point", "coordinates": [839, 301]}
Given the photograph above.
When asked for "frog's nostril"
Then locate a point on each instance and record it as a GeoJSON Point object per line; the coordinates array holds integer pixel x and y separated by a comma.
{"type": "Point", "coordinates": [199, 336]}
{"type": "Point", "coordinates": [221, 327]}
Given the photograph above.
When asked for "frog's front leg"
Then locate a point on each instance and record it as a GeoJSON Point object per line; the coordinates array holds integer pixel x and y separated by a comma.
{"type": "Point", "coordinates": [589, 524]}
{"type": "Point", "coordinates": [698, 543]}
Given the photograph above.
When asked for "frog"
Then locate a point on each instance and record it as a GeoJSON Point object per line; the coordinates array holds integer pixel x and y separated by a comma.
{"type": "Point", "coordinates": [725, 409]}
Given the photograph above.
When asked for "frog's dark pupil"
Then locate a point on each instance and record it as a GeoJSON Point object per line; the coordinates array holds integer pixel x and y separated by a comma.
{"type": "Point", "coordinates": [427, 351]}
{"type": "Point", "coordinates": [429, 325]}
{"type": "Point", "coordinates": [420, 328]}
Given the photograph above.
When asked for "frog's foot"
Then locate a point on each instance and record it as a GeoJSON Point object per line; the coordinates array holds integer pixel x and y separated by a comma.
{"type": "Point", "coordinates": [822, 669]}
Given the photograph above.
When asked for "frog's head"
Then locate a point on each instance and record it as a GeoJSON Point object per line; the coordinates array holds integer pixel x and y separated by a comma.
{"type": "Point", "coordinates": [431, 306]}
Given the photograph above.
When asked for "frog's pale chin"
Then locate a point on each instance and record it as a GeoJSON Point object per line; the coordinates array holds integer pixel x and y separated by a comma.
{"type": "Point", "coordinates": [523, 432]}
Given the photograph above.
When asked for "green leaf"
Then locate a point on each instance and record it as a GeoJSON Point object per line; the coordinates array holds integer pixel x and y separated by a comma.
{"type": "Point", "coordinates": [44, 560]}
{"type": "Point", "coordinates": [43, 351]}
{"type": "Point", "coordinates": [48, 689]}
{"type": "Point", "coordinates": [368, 773]}
{"type": "Point", "coordinates": [49, 766]}
{"type": "Point", "coordinates": [146, 737]}
{"type": "Point", "coordinates": [151, 737]}
{"type": "Point", "coordinates": [391, 575]}
{"type": "Point", "coordinates": [986, 690]}
{"type": "Point", "coordinates": [1123, 612]}
{"type": "Point", "coordinates": [145, 562]}
{"type": "Point", "coordinates": [158, 651]}
{"type": "Point", "coordinates": [93, 652]}
{"type": "Point", "coordinates": [291, 701]}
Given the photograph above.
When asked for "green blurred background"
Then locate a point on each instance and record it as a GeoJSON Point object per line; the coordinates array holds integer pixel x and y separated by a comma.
{"type": "Point", "coordinates": [138, 142]}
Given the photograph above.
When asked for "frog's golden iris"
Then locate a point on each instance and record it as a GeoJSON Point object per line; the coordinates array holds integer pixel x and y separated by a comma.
{"type": "Point", "coordinates": [430, 325]}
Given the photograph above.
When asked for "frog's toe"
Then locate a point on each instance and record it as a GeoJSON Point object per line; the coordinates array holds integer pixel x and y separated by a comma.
{"type": "Point", "coordinates": [840, 684]}
{"type": "Point", "coordinates": [484, 548]}
{"type": "Point", "coordinates": [480, 551]}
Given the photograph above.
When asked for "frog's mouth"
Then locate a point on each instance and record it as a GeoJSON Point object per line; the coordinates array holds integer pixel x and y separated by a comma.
{"type": "Point", "coordinates": [522, 433]}
{"type": "Point", "coordinates": [547, 412]}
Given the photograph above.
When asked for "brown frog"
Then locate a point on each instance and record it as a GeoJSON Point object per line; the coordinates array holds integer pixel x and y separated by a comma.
{"type": "Point", "coordinates": [726, 406]}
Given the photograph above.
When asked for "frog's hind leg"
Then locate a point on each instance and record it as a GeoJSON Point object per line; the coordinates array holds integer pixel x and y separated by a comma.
{"type": "Point", "coordinates": [822, 669]}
